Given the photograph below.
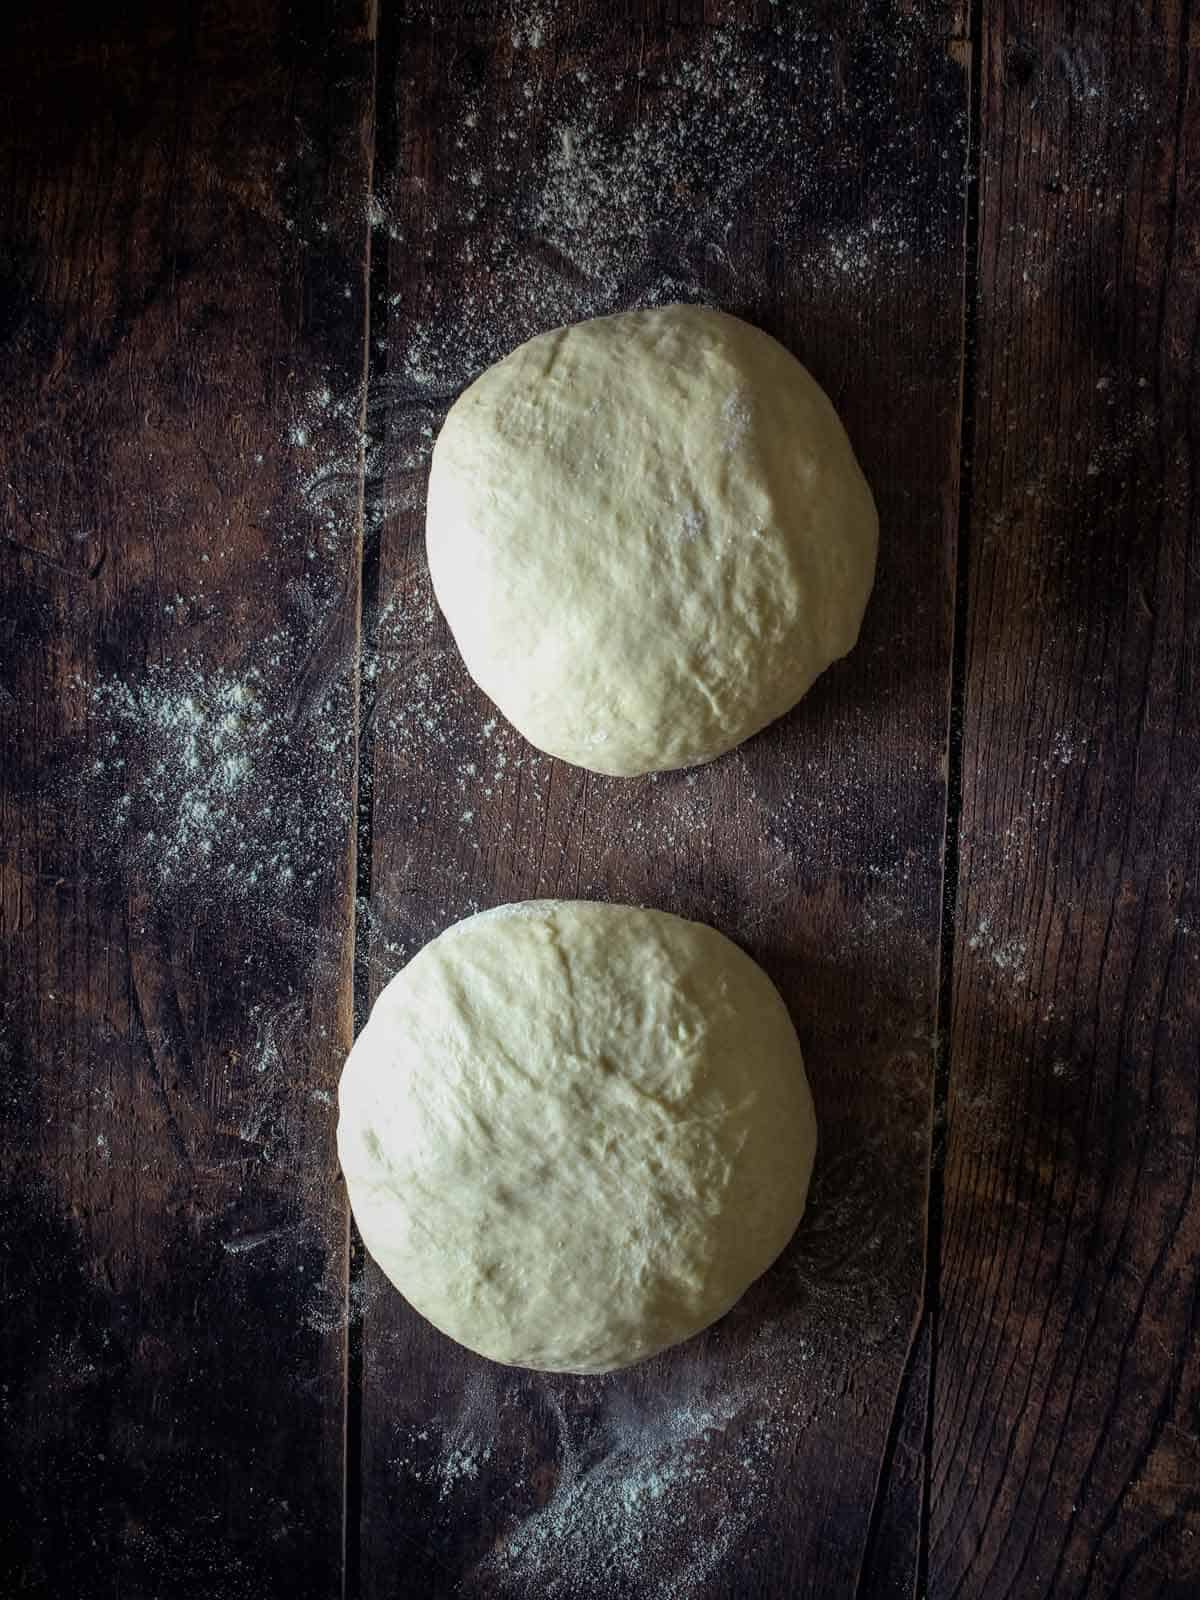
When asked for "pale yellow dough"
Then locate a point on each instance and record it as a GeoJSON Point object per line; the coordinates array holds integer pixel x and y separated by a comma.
{"type": "Point", "coordinates": [574, 1133]}
{"type": "Point", "coordinates": [649, 534]}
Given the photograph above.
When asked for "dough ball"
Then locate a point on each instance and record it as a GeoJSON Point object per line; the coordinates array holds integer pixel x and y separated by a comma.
{"type": "Point", "coordinates": [574, 1133]}
{"type": "Point", "coordinates": [649, 535]}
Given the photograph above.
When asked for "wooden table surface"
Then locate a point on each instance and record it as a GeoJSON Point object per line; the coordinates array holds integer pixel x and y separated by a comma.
{"type": "Point", "coordinates": [250, 250]}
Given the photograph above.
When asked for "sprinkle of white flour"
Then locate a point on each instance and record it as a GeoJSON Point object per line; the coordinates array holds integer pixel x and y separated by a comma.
{"type": "Point", "coordinates": [1006, 955]}
{"type": "Point", "coordinates": [529, 30]}
{"type": "Point", "coordinates": [606, 1523]}
{"type": "Point", "coordinates": [206, 779]}
{"type": "Point", "coordinates": [655, 1488]}
{"type": "Point", "coordinates": [573, 185]}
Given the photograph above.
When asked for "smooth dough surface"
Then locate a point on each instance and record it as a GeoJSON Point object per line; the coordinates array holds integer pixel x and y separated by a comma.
{"type": "Point", "coordinates": [574, 1133]}
{"type": "Point", "coordinates": [649, 534]}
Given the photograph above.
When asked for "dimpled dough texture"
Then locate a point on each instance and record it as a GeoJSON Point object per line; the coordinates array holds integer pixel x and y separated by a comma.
{"type": "Point", "coordinates": [574, 1133]}
{"type": "Point", "coordinates": [649, 535]}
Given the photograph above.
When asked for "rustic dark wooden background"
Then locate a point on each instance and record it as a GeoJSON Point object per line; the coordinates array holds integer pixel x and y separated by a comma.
{"type": "Point", "coordinates": [249, 253]}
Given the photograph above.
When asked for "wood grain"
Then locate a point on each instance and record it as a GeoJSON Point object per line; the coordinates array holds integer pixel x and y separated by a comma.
{"type": "Point", "coordinates": [1066, 1432]}
{"type": "Point", "coordinates": [183, 249]}
{"type": "Point", "coordinates": [810, 176]}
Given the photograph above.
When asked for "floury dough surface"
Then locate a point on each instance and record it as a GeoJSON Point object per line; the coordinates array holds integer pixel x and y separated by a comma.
{"type": "Point", "coordinates": [649, 535]}
{"type": "Point", "coordinates": [574, 1133]}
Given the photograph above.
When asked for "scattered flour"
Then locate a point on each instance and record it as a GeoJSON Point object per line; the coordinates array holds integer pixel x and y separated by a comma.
{"type": "Point", "coordinates": [1006, 955]}
{"type": "Point", "coordinates": [216, 782]}
{"type": "Point", "coordinates": [1063, 749]}
{"type": "Point", "coordinates": [529, 29]}
{"type": "Point", "coordinates": [655, 1487]}
{"type": "Point", "coordinates": [574, 184]}
{"type": "Point", "coordinates": [449, 1452]}
{"type": "Point", "coordinates": [623, 1493]}
{"type": "Point", "coordinates": [329, 1310]}
{"type": "Point", "coordinates": [462, 1463]}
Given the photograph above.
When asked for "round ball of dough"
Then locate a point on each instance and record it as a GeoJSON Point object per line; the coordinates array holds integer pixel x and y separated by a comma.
{"type": "Point", "coordinates": [574, 1133]}
{"type": "Point", "coordinates": [649, 534]}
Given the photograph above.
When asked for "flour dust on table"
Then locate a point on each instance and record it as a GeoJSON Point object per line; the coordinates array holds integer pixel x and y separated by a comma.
{"type": "Point", "coordinates": [653, 1488]}
{"type": "Point", "coordinates": [569, 191]}
{"type": "Point", "coordinates": [205, 782]}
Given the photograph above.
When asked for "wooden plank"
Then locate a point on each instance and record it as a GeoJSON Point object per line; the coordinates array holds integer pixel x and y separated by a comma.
{"type": "Point", "coordinates": [1067, 1449]}
{"type": "Point", "coordinates": [542, 168]}
{"type": "Point", "coordinates": [183, 244]}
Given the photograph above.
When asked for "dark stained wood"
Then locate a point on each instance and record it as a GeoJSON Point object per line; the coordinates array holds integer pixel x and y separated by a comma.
{"type": "Point", "coordinates": [1066, 1422]}
{"type": "Point", "coordinates": [183, 249]}
{"type": "Point", "coordinates": [541, 166]}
